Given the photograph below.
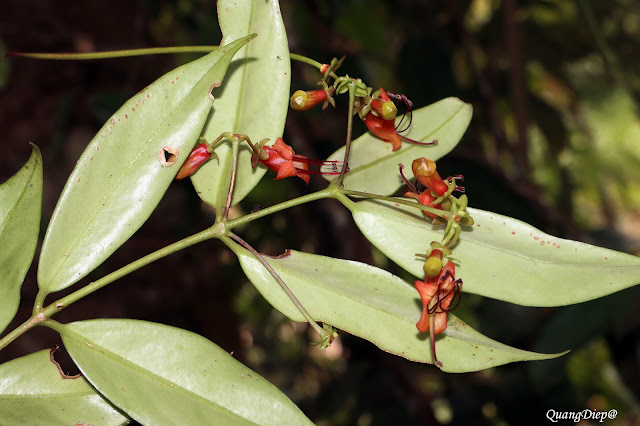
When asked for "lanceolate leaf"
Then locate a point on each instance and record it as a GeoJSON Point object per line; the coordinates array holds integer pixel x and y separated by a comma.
{"type": "Point", "coordinates": [164, 375]}
{"type": "Point", "coordinates": [374, 167]}
{"type": "Point", "coordinates": [124, 172]}
{"type": "Point", "coordinates": [20, 205]}
{"type": "Point", "coordinates": [33, 391]}
{"type": "Point", "coordinates": [255, 97]}
{"type": "Point", "coordinates": [501, 257]}
{"type": "Point", "coordinates": [372, 303]}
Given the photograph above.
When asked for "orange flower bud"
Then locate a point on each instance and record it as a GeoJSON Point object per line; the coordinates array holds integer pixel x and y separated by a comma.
{"type": "Point", "coordinates": [302, 101]}
{"type": "Point", "coordinates": [198, 156]}
{"type": "Point", "coordinates": [425, 172]}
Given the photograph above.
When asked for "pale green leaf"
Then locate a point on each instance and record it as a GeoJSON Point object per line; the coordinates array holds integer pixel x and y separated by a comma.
{"type": "Point", "coordinates": [373, 166]}
{"type": "Point", "coordinates": [20, 205]}
{"type": "Point", "coordinates": [119, 178]}
{"type": "Point", "coordinates": [373, 304]}
{"type": "Point", "coordinates": [255, 98]}
{"type": "Point", "coordinates": [33, 391]}
{"type": "Point", "coordinates": [164, 375]}
{"type": "Point", "coordinates": [501, 257]}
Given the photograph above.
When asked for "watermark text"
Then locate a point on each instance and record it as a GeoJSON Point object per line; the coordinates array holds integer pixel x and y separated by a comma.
{"type": "Point", "coordinates": [576, 416]}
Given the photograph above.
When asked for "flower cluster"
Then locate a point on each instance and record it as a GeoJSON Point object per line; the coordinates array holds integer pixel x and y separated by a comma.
{"type": "Point", "coordinates": [280, 158]}
{"type": "Point", "coordinates": [439, 288]}
{"type": "Point", "coordinates": [380, 120]}
{"type": "Point", "coordinates": [377, 109]}
{"type": "Point", "coordinates": [437, 292]}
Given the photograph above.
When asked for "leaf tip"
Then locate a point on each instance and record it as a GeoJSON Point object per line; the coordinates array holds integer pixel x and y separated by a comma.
{"type": "Point", "coordinates": [34, 147]}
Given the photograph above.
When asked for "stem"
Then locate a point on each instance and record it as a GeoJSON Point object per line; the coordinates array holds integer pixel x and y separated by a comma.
{"type": "Point", "coordinates": [325, 193]}
{"type": "Point", "coordinates": [235, 144]}
{"type": "Point", "coordinates": [20, 330]}
{"type": "Point", "coordinates": [41, 315]}
{"type": "Point", "coordinates": [39, 302]}
{"type": "Point", "coordinates": [438, 212]}
{"type": "Point", "coordinates": [346, 201]}
{"type": "Point", "coordinates": [323, 333]}
{"type": "Point", "coordinates": [141, 52]}
{"type": "Point", "coordinates": [432, 324]}
{"type": "Point", "coordinates": [115, 53]}
{"type": "Point", "coordinates": [305, 60]}
{"type": "Point", "coordinates": [58, 305]}
{"type": "Point", "coordinates": [54, 325]}
{"type": "Point", "coordinates": [347, 146]}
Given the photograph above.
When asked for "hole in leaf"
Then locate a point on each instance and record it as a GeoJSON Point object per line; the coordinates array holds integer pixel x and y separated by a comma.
{"type": "Point", "coordinates": [64, 363]}
{"type": "Point", "coordinates": [167, 155]}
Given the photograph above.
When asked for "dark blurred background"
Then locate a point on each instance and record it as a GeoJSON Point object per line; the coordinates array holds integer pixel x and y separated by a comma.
{"type": "Point", "coordinates": [554, 141]}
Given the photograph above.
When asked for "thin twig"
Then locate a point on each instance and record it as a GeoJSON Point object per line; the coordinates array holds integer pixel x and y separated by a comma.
{"type": "Point", "coordinates": [347, 146]}
{"type": "Point", "coordinates": [284, 286]}
{"type": "Point", "coordinates": [232, 182]}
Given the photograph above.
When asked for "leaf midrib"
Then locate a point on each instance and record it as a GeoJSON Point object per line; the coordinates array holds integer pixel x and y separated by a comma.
{"type": "Point", "coordinates": [23, 193]}
{"type": "Point", "coordinates": [103, 351]}
{"type": "Point", "coordinates": [468, 238]}
{"type": "Point", "coordinates": [468, 340]}
{"type": "Point", "coordinates": [123, 176]}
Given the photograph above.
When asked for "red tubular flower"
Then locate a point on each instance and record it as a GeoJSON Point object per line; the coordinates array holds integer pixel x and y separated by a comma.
{"type": "Point", "coordinates": [437, 293]}
{"type": "Point", "coordinates": [384, 129]}
{"type": "Point", "coordinates": [302, 101]}
{"type": "Point", "coordinates": [425, 198]}
{"type": "Point", "coordinates": [383, 125]}
{"type": "Point", "coordinates": [198, 156]}
{"type": "Point", "coordinates": [425, 172]}
{"type": "Point", "coordinates": [282, 159]}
